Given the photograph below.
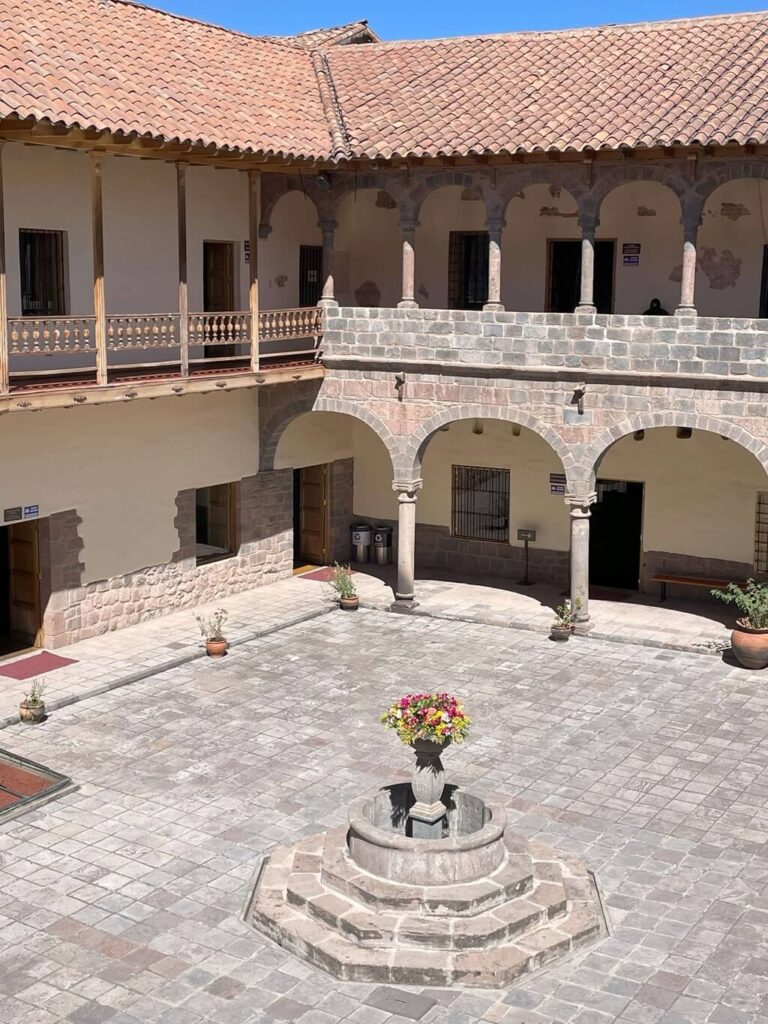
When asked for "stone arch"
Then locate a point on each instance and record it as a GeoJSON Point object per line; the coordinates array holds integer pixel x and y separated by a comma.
{"type": "Point", "coordinates": [609, 180]}
{"type": "Point", "coordinates": [431, 183]}
{"type": "Point", "coordinates": [599, 447]}
{"type": "Point", "coordinates": [275, 186]}
{"type": "Point", "coordinates": [732, 171]}
{"type": "Point", "coordinates": [272, 431]}
{"type": "Point", "coordinates": [373, 181]}
{"type": "Point", "coordinates": [408, 463]}
{"type": "Point", "coordinates": [558, 176]}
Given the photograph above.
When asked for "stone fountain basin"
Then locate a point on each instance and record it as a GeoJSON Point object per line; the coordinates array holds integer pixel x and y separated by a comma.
{"type": "Point", "coordinates": [471, 848]}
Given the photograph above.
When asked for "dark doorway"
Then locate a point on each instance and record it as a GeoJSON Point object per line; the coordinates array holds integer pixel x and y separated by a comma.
{"type": "Point", "coordinates": [20, 599]}
{"type": "Point", "coordinates": [310, 274]}
{"type": "Point", "coordinates": [615, 536]}
{"type": "Point", "coordinates": [565, 276]}
{"type": "Point", "coordinates": [468, 269]}
{"type": "Point", "coordinates": [310, 515]}
{"type": "Point", "coordinates": [763, 314]}
{"type": "Point", "coordinates": [219, 288]}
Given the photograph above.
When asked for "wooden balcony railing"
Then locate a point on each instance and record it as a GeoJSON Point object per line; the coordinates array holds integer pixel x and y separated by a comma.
{"type": "Point", "coordinates": [67, 347]}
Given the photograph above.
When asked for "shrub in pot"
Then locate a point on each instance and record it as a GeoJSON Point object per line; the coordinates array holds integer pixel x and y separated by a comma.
{"type": "Point", "coordinates": [32, 708]}
{"type": "Point", "coordinates": [211, 627]}
{"type": "Point", "coordinates": [343, 587]}
{"type": "Point", "coordinates": [565, 618]}
{"type": "Point", "coordinates": [749, 639]}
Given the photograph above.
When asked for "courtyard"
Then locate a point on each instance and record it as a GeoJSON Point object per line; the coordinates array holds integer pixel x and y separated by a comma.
{"type": "Point", "coordinates": [124, 901]}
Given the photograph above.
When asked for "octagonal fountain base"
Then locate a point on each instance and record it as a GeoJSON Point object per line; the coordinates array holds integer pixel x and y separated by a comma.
{"type": "Point", "coordinates": [478, 907]}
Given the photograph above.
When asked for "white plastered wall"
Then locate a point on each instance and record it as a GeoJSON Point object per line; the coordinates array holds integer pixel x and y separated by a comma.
{"type": "Point", "coordinates": [217, 211]}
{"type": "Point", "coordinates": [121, 467]}
{"type": "Point", "coordinates": [317, 438]}
{"type": "Point", "coordinates": [294, 223]}
{"type": "Point", "coordinates": [646, 213]}
{"type": "Point", "coordinates": [732, 236]}
{"type": "Point", "coordinates": [368, 251]}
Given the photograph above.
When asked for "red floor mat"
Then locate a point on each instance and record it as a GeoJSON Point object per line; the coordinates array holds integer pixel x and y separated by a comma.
{"type": "Point", "coordinates": [323, 575]}
{"type": "Point", "coordinates": [35, 666]}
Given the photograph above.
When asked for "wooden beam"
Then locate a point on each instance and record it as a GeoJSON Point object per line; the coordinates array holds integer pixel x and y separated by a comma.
{"type": "Point", "coordinates": [3, 290]}
{"type": "Point", "coordinates": [254, 192]}
{"type": "Point", "coordinates": [181, 198]}
{"type": "Point", "coordinates": [99, 303]}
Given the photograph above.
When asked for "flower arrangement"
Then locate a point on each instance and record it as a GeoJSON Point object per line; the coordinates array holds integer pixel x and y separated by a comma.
{"type": "Point", "coordinates": [211, 626]}
{"type": "Point", "coordinates": [439, 717]}
{"type": "Point", "coordinates": [341, 582]}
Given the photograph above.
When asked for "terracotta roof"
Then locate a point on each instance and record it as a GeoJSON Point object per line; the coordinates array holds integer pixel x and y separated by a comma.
{"type": "Point", "coordinates": [679, 82]}
{"type": "Point", "coordinates": [119, 66]}
{"type": "Point", "coordinates": [354, 32]}
{"type": "Point", "coordinates": [122, 67]}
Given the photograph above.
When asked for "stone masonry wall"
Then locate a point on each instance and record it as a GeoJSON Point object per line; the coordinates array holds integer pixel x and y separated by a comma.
{"type": "Point", "coordinates": [670, 563]}
{"type": "Point", "coordinates": [638, 344]}
{"type": "Point", "coordinates": [265, 554]}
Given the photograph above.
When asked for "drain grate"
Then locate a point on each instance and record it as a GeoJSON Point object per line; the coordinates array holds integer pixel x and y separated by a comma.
{"type": "Point", "coordinates": [24, 785]}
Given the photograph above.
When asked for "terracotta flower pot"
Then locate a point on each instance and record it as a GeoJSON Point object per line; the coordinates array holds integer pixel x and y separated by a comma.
{"type": "Point", "coordinates": [558, 632]}
{"type": "Point", "coordinates": [750, 645]}
{"type": "Point", "coordinates": [216, 648]}
{"type": "Point", "coordinates": [31, 713]}
{"type": "Point", "coordinates": [349, 604]}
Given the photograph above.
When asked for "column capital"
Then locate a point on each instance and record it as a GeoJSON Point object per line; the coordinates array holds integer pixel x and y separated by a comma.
{"type": "Point", "coordinates": [495, 225]}
{"type": "Point", "coordinates": [580, 504]}
{"type": "Point", "coordinates": [327, 226]}
{"type": "Point", "coordinates": [589, 222]}
{"type": "Point", "coordinates": [406, 490]}
{"type": "Point", "coordinates": [408, 224]}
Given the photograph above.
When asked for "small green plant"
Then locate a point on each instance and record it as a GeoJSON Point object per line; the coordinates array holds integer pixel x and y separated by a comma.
{"type": "Point", "coordinates": [751, 599]}
{"type": "Point", "coordinates": [35, 696]}
{"type": "Point", "coordinates": [211, 625]}
{"type": "Point", "coordinates": [565, 613]}
{"type": "Point", "coordinates": [341, 581]}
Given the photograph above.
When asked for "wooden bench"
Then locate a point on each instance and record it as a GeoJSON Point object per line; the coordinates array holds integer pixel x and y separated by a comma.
{"type": "Point", "coordinates": [689, 581]}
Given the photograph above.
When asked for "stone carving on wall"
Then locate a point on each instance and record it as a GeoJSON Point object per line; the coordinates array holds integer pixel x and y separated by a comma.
{"type": "Point", "coordinates": [555, 191]}
{"type": "Point", "coordinates": [470, 195]}
{"type": "Point", "coordinates": [385, 201]}
{"type": "Point", "coordinates": [368, 294]}
{"type": "Point", "coordinates": [733, 211]}
{"type": "Point", "coordinates": [722, 271]}
{"type": "Point", "coordinates": [281, 280]}
{"type": "Point", "coordinates": [645, 211]}
{"type": "Point", "coordinates": [553, 211]}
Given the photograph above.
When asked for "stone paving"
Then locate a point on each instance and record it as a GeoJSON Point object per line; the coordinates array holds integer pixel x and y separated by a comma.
{"type": "Point", "coordinates": [124, 902]}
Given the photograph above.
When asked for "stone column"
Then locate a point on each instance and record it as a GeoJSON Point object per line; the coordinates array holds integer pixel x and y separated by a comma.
{"type": "Point", "coordinates": [181, 205]}
{"type": "Point", "coordinates": [97, 233]}
{"type": "Point", "coordinates": [687, 305]}
{"type": "Point", "coordinates": [408, 301]}
{"type": "Point", "coordinates": [4, 358]}
{"type": "Point", "coordinates": [580, 514]}
{"type": "Point", "coordinates": [495, 228]}
{"type": "Point", "coordinates": [328, 297]}
{"type": "Point", "coordinates": [406, 543]}
{"type": "Point", "coordinates": [587, 284]}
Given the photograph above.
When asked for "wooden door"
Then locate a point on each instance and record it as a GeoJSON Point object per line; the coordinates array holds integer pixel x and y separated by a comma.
{"type": "Point", "coordinates": [219, 288]}
{"type": "Point", "coordinates": [24, 583]}
{"type": "Point", "coordinates": [313, 514]}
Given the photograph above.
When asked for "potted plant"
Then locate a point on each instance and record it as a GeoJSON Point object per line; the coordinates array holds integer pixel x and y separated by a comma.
{"type": "Point", "coordinates": [211, 627]}
{"type": "Point", "coordinates": [344, 588]}
{"type": "Point", "coordinates": [565, 619]}
{"type": "Point", "coordinates": [32, 708]}
{"type": "Point", "coordinates": [749, 639]}
{"type": "Point", "coordinates": [428, 722]}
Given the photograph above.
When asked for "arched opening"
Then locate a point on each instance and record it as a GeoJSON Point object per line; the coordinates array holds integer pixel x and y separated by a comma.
{"type": "Point", "coordinates": [368, 273]}
{"type": "Point", "coordinates": [541, 251]}
{"type": "Point", "coordinates": [641, 220]}
{"type": "Point", "coordinates": [290, 258]}
{"type": "Point", "coordinates": [680, 503]}
{"type": "Point", "coordinates": [732, 251]}
{"type": "Point", "coordinates": [342, 471]}
{"type": "Point", "coordinates": [452, 249]}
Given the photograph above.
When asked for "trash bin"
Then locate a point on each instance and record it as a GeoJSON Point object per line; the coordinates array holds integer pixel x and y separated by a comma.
{"type": "Point", "coordinates": [382, 545]}
{"type": "Point", "coordinates": [361, 542]}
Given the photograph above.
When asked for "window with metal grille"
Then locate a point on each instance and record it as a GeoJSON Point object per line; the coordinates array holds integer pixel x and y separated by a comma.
{"type": "Point", "coordinates": [468, 269]}
{"type": "Point", "coordinates": [480, 503]}
{"type": "Point", "coordinates": [43, 272]}
{"type": "Point", "coordinates": [761, 533]}
{"type": "Point", "coordinates": [310, 274]}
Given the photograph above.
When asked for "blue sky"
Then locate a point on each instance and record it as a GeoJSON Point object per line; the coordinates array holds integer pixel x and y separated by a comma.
{"type": "Point", "coordinates": [406, 19]}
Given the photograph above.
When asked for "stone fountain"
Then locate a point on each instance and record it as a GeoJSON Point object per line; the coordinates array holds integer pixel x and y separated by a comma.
{"type": "Point", "coordinates": [426, 888]}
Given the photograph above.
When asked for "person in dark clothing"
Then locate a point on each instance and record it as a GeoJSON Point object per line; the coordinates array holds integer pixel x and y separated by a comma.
{"type": "Point", "coordinates": [656, 309]}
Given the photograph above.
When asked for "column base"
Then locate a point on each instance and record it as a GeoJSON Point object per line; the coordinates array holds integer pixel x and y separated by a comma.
{"type": "Point", "coordinates": [404, 605]}
{"type": "Point", "coordinates": [328, 304]}
{"type": "Point", "coordinates": [686, 311]}
{"type": "Point", "coordinates": [493, 307]}
{"type": "Point", "coordinates": [407, 304]}
{"type": "Point", "coordinates": [582, 627]}
{"type": "Point", "coordinates": [586, 309]}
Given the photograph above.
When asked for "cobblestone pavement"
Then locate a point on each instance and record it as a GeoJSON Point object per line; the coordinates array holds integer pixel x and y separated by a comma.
{"type": "Point", "coordinates": [123, 902]}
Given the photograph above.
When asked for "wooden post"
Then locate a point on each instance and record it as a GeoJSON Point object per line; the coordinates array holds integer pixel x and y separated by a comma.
{"type": "Point", "coordinates": [181, 197]}
{"type": "Point", "coordinates": [4, 366]}
{"type": "Point", "coordinates": [99, 306]}
{"type": "Point", "coordinates": [254, 183]}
